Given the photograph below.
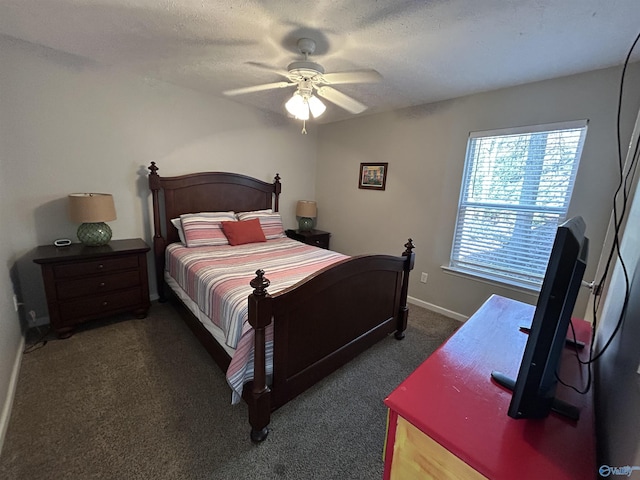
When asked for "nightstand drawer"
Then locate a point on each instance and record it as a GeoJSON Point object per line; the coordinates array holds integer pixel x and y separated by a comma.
{"type": "Point", "coordinates": [317, 238]}
{"type": "Point", "coordinates": [99, 284]}
{"type": "Point", "coordinates": [96, 266]}
{"type": "Point", "coordinates": [319, 242]}
{"type": "Point", "coordinates": [91, 306]}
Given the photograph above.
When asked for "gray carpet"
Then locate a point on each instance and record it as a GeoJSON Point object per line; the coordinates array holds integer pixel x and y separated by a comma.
{"type": "Point", "coordinates": [141, 399]}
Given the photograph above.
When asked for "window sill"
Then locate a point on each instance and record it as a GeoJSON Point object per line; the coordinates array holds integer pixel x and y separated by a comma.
{"type": "Point", "coordinates": [490, 281]}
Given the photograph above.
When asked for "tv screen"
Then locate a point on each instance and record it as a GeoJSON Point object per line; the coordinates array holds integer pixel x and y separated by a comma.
{"type": "Point", "coordinates": [535, 386]}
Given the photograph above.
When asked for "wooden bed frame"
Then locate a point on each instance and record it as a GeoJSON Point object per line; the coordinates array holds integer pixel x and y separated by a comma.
{"type": "Point", "coordinates": [319, 324]}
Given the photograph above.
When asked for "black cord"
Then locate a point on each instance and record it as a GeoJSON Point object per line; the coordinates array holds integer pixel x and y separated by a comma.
{"type": "Point", "coordinates": [587, 387]}
{"type": "Point", "coordinates": [39, 343]}
{"type": "Point", "coordinates": [624, 185]}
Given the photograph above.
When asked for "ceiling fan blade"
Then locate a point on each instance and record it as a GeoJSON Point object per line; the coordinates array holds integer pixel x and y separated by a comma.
{"type": "Point", "coordinates": [359, 76]}
{"type": "Point", "coordinates": [340, 99]}
{"type": "Point", "coordinates": [257, 88]}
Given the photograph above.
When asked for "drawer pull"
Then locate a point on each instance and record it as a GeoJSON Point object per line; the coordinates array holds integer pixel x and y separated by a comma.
{"type": "Point", "coordinates": [102, 284]}
{"type": "Point", "coordinates": [100, 266]}
{"type": "Point", "coordinates": [105, 303]}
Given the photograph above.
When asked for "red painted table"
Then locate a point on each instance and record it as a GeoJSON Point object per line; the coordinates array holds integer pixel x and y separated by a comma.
{"type": "Point", "coordinates": [448, 419]}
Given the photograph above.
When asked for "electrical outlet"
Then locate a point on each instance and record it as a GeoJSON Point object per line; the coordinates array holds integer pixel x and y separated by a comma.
{"type": "Point", "coordinates": [423, 277]}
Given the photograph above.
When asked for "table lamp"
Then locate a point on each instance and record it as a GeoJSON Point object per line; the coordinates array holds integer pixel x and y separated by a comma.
{"type": "Point", "coordinates": [91, 211]}
{"type": "Point", "coordinates": [306, 211]}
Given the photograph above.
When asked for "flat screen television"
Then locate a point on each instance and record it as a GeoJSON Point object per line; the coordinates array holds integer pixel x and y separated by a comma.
{"type": "Point", "coordinates": [535, 386]}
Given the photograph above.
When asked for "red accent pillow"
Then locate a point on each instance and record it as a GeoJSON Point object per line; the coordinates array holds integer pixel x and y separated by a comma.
{"type": "Point", "coordinates": [247, 231]}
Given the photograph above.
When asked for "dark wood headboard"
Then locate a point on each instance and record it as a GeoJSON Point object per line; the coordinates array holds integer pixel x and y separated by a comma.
{"type": "Point", "coordinates": [202, 192]}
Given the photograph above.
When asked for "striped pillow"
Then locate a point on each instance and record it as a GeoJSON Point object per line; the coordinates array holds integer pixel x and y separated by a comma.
{"type": "Point", "coordinates": [271, 223]}
{"type": "Point", "coordinates": [203, 229]}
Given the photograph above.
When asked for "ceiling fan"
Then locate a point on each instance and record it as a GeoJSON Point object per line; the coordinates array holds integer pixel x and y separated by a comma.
{"type": "Point", "coordinates": [310, 79]}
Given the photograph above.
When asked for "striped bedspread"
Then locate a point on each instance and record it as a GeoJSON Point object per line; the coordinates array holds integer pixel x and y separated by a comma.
{"type": "Point", "coordinates": [217, 279]}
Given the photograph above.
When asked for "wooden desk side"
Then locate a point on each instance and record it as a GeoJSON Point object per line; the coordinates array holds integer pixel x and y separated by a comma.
{"type": "Point", "coordinates": [452, 399]}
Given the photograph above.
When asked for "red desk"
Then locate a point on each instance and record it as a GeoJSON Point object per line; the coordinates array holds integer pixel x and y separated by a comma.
{"type": "Point", "coordinates": [448, 419]}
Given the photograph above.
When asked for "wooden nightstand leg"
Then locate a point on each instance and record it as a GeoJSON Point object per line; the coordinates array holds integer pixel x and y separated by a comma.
{"type": "Point", "coordinates": [64, 332]}
{"type": "Point", "coordinates": [141, 313]}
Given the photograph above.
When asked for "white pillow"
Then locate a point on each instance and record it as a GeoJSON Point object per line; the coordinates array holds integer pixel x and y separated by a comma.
{"type": "Point", "coordinates": [176, 223]}
{"type": "Point", "coordinates": [255, 212]}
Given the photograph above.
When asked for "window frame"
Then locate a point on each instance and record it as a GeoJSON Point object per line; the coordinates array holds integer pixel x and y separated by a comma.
{"type": "Point", "coordinates": [485, 272]}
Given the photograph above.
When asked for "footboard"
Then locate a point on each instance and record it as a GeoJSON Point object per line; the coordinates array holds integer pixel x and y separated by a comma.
{"type": "Point", "coordinates": [322, 323]}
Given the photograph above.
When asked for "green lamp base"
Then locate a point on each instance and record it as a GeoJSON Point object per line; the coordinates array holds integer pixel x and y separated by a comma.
{"type": "Point", "coordinates": [94, 234]}
{"type": "Point", "coordinates": [305, 224]}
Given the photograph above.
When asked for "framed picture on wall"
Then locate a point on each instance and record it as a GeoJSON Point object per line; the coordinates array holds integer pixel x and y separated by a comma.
{"type": "Point", "coordinates": [373, 176]}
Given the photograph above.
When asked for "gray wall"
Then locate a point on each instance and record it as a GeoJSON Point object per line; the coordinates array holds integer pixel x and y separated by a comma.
{"type": "Point", "coordinates": [69, 125]}
{"type": "Point", "coordinates": [10, 333]}
{"type": "Point", "coordinates": [425, 147]}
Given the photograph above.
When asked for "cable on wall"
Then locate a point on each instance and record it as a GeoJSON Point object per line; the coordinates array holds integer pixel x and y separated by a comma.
{"type": "Point", "coordinates": [624, 185]}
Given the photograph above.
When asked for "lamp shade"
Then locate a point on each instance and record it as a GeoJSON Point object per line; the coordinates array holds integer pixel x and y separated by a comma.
{"type": "Point", "coordinates": [316, 106]}
{"type": "Point", "coordinates": [306, 211]}
{"type": "Point", "coordinates": [91, 211]}
{"type": "Point", "coordinates": [298, 106]}
{"type": "Point", "coordinates": [306, 208]}
{"type": "Point", "coordinates": [91, 207]}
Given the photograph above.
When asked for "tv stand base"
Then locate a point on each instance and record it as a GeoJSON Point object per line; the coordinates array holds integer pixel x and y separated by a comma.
{"type": "Point", "coordinates": [558, 406]}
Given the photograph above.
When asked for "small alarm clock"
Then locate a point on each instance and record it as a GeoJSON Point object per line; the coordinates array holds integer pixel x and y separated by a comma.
{"type": "Point", "coordinates": [62, 242]}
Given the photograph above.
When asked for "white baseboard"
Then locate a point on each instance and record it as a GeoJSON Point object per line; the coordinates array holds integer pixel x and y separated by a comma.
{"type": "Point", "coordinates": [437, 309]}
{"type": "Point", "coordinates": [11, 393]}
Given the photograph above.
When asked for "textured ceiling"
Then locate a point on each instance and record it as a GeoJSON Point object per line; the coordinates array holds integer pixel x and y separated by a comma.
{"type": "Point", "coordinates": [425, 50]}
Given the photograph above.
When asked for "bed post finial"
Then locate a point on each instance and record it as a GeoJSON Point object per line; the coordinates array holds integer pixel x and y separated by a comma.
{"type": "Point", "coordinates": [259, 400]}
{"type": "Point", "coordinates": [159, 243]}
{"type": "Point", "coordinates": [403, 314]}
{"type": "Point", "coordinates": [277, 188]}
{"type": "Point", "coordinates": [260, 284]}
{"type": "Point", "coordinates": [409, 246]}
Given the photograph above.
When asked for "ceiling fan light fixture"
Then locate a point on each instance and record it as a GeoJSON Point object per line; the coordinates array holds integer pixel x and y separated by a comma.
{"type": "Point", "coordinates": [310, 78]}
{"type": "Point", "coordinates": [298, 107]}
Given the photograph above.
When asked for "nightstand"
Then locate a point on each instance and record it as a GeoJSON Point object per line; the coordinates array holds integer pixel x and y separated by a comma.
{"type": "Point", "coordinates": [317, 238]}
{"type": "Point", "coordinates": [86, 283]}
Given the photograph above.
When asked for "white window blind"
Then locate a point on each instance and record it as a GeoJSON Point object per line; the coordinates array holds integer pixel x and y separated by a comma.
{"type": "Point", "coordinates": [516, 188]}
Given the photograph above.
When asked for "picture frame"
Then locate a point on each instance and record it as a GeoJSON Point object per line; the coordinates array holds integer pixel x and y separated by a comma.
{"type": "Point", "coordinates": [373, 176]}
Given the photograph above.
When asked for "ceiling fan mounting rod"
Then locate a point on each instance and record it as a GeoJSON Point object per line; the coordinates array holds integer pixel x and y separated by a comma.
{"type": "Point", "coordinates": [306, 47]}
{"type": "Point", "coordinates": [305, 69]}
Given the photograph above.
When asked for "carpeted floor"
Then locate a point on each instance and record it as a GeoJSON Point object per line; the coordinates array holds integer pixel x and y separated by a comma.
{"type": "Point", "coordinates": [141, 399]}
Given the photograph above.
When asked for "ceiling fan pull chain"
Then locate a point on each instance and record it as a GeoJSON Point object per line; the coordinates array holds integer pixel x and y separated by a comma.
{"type": "Point", "coordinates": [304, 127]}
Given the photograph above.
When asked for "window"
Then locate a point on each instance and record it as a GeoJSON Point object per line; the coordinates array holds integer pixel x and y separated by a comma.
{"type": "Point", "coordinates": [516, 189]}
